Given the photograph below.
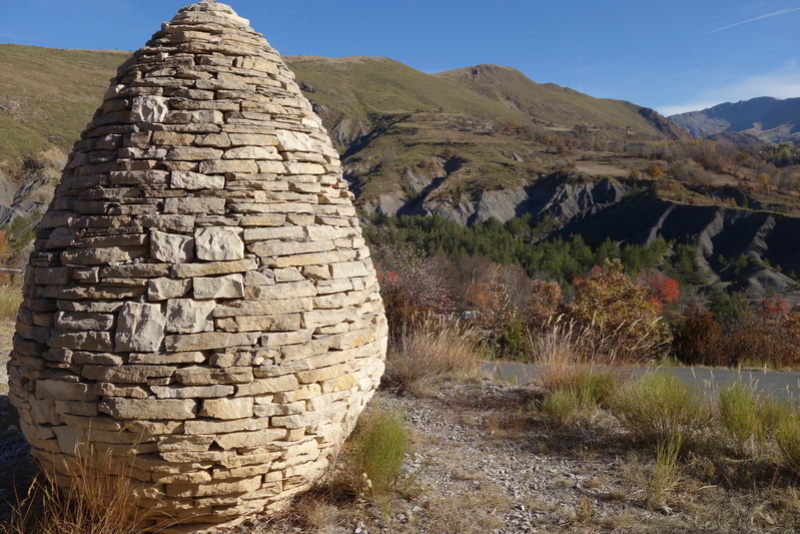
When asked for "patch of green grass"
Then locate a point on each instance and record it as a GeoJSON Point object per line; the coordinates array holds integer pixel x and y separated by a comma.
{"type": "Point", "coordinates": [48, 96]}
{"type": "Point", "coordinates": [787, 437]}
{"type": "Point", "coordinates": [576, 396]}
{"type": "Point", "coordinates": [665, 472]}
{"type": "Point", "coordinates": [744, 419]}
{"type": "Point", "coordinates": [658, 407]}
{"type": "Point", "coordinates": [379, 447]}
{"type": "Point", "coordinates": [566, 407]}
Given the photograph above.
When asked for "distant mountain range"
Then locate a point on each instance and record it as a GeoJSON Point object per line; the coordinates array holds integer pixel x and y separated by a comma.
{"type": "Point", "coordinates": [757, 120]}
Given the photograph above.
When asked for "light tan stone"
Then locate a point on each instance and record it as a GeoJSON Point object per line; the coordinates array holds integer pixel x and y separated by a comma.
{"type": "Point", "coordinates": [318, 375]}
{"type": "Point", "coordinates": [203, 376]}
{"type": "Point", "coordinates": [214, 268]}
{"type": "Point", "coordinates": [240, 408]}
{"type": "Point", "coordinates": [230, 165]}
{"type": "Point", "coordinates": [219, 287]}
{"type": "Point", "coordinates": [242, 486]}
{"type": "Point", "coordinates": [120, 408]}
{"type": "Point", "coordinates": [140, 328]}
{"type": "Point", "coordinates": [241, 139]}
{"type": "Point", "coordinates": [194, 180]}
{"type": "Point", "coordinates": [238, 440]}
{"type": "Point", "coordinates": [268, 233]}
{"type": "Point", "coordinates": [63, 391]}
{"type": "Point", "coordinates": [191, 205]}
{"type": "Point", "coordinates": [264, 323]}
{"type": "Point", "coordinates": [166, 358]}
{"type": "Point", "coordinates": [268, 385]}
{"type": "Point", "coordinates": [252, 152]}
{"type": "Point", "coordinates": [306, 392]}
{"type": "Point", "coordinates": [126, 374]}
{"type": "Point", "coordinates": [191, 392]}
{"type": "Point", "coordinates": [189, 315]}
{"type": "Point", "coordinates": [202, 426]}
{"type": "Point", "coordinates": [250, 308]}
{"type": "Point", "coordinates": [171, 248]}
{"type": "Point", "coordinates": [71, 321]}
{"type": "Point", "coordinates": [290, 140]}
{"type": "Point", "coordinates": [167, 288]}
{"type": "Point", "coordinates": [219, 243]}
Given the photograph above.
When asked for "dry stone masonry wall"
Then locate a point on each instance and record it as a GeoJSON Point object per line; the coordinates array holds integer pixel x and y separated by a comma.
{"type": "Point", "coordinates": [200, 305]}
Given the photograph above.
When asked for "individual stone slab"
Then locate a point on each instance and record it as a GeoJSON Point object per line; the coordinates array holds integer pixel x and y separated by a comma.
{"type": "Point", "coordinates": [189, 316]}
{"type": "Point", "coordinates": [194, 180]}
{"type": "Point", "coordinates": [141, 328]}
{"type": "Point", "coordinates": [219, 243]}
{"type": "Point", "coordinates": [171, 248]}
{"type": "Point", "coordinates": [120, 408]}
{"type": "Point", "coordinates": [219, 287]}
{"type": "Point", "coordinates": [149, 109]}
{"type": "Point", "coordinates": [167, 288]}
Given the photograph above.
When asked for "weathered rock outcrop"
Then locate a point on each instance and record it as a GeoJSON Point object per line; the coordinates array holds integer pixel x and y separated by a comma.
{"type": "Point", "coordinates": [200, 304]}
{"type": "Point", "coordinates": [554, 197]}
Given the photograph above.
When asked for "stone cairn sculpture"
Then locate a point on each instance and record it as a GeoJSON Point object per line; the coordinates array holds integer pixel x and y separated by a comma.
{"type": "Point", "coordinates": [200, 306]}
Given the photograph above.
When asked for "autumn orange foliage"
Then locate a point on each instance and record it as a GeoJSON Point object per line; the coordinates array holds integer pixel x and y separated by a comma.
{"type": "Point", "coordinates": [619, 313]}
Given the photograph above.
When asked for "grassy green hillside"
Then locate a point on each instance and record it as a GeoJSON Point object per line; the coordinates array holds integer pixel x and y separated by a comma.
{"type": "Point", "coordinates": [447, 136]}
{"type": "Point", "coordinates": [358, 87]}
{"type": "Point", "coordinates": [401, 129]}
{"type": "Point", "coordinates": [47, 96]}
{"type": "Point", "coordinates": [453, 134]}
{"type": "Point", "coordinates": [549, 103]}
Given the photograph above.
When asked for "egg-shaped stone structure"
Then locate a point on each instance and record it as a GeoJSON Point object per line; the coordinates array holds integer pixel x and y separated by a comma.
{"type": "Point", "coordinates": [200, 305]}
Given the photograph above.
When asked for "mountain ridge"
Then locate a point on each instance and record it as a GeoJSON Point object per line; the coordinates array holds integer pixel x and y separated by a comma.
{"type": "Point", "coordinates": [768, 119]}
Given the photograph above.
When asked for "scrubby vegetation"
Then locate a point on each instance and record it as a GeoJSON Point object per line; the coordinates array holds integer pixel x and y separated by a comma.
{"type": "Point", "coordinates": [629, 303]}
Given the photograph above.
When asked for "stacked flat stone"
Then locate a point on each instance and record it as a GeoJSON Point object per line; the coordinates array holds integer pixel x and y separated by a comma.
{"type": "Point", "coordinates": [200, 304]}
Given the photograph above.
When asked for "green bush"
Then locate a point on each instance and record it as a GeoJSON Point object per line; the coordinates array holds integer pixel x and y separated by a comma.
{"type": "Point", "coordinates": [379, 445]}
{"type": "Point", "coordinates": [744, 419]}
{"type": "Point", "coordinates": [787, 436]}
{"type": "Point", "coordinates": [576, 395]}
{"type": "Point", "coordinates": [565, 407]}
{"type": "Point", "coordinates": [657, 408]}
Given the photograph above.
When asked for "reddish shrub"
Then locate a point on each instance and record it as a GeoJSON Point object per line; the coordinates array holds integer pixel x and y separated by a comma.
{"type": "Point", "coordinates": [699, 339]}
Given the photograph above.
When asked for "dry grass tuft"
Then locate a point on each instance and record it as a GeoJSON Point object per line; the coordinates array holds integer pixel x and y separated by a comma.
{"type": "Point", "coordinates": [787, 437]}
{"type": "Point", "coordinates": [565, 356]}
{"type": "Point", "coordinates": [433, 350]}
{"type": "Point", "coordinates": [10, 300]}
{"type": "Point", "coordinates": [665, 473]}
{"type": "Point", "coordinates": [95, 502]}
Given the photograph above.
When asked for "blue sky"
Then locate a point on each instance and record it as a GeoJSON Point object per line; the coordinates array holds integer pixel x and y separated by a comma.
{"type": "Point", "coordinates": [673, 56]}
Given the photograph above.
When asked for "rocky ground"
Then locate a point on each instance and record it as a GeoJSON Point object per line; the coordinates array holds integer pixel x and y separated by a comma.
{"type": "Point", "coordinates": [483, 462]}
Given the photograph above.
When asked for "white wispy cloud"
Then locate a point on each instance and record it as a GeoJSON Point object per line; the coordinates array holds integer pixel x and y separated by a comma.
{"type": "Point", "coordinates": [781, 83]}
{"type": "Point", "coordinates": [768, 15]}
